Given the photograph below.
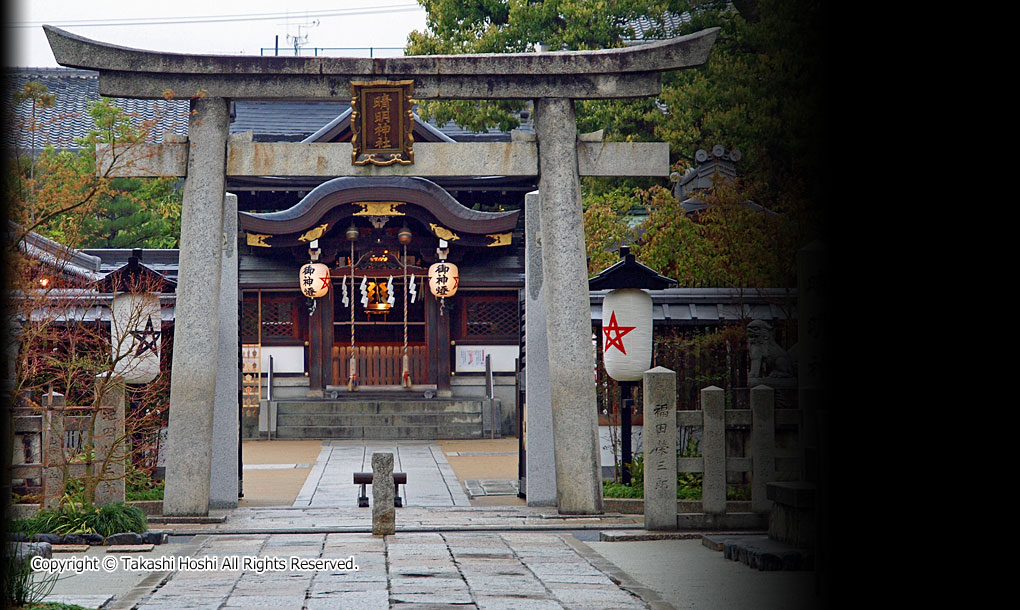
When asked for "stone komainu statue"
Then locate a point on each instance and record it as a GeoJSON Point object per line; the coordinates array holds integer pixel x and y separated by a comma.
{"type": "Point", "coordinates": [767, 358]}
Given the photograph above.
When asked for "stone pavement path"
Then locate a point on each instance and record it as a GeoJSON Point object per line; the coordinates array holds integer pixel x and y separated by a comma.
{"type": "Point", "coordinates": [509, 570]}
{"type": "Point", "coordinates": [430, 479]}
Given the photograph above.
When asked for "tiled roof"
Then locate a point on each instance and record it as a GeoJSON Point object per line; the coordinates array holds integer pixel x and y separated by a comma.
{"type": "Point", "coordinates": [284, 121]}
{"type": "Point", "coordinates": [68, 119]}
{"type": "Point", "coordinates": [646, 28]}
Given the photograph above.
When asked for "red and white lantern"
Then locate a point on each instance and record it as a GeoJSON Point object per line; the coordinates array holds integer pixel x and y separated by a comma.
{"type": "Point", "coordinates": [627, 333]}
{"type": "Point", "coordinates": [444, 278]}
{"type": "Point", "coordinates": [314, 280]}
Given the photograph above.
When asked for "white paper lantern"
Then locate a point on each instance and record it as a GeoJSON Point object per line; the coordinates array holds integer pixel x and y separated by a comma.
{"type": "Point", "coordinates": [314, 280]}
{"type": "Point", "coordinates": [627, 334]}
{"type": "Point", "coordinates": [135, 335]}
{"type": "Point", "coordinates": [444, 278]}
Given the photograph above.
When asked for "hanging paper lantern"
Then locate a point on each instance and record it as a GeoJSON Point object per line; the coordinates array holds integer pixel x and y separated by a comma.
{"type": "Point", "coordinates": [135, 326]}
{"type": "Point", "coordinates": [443, 279]}
{"type": "Point", "coordinates": [314, 280]}
{"type": "Point", "coordinates": [627, 333]}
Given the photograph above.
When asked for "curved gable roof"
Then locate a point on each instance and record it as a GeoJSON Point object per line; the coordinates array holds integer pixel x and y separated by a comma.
{"type": "Point", "coordinates": [340, 198]}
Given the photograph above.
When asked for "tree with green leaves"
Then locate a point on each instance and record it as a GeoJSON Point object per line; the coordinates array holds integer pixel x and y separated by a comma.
{"type": "Point", "coordinates": [760, 92]}
{"type": "Point", "coordinates": [62, 196]}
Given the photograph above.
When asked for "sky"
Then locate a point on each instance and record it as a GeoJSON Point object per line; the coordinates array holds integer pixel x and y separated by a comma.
{"type": "Point", "coordinates": [227, 27]}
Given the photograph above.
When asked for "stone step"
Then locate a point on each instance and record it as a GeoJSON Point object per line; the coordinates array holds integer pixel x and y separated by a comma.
{"type": "Point", "coordinates": [377, 407]}
{"type": "Point", "coordinates": [377, 419]}
{"type": "Point", "coordinates": [437, 432]}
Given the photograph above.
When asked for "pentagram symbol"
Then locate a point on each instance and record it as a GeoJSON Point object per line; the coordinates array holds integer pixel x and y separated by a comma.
{"type": "Point", "coordinates": [619, 331]}
{"type": "Point", "coordinates": [147, 339]}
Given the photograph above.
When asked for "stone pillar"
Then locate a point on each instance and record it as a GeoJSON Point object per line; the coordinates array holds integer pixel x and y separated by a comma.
{"type": "Point", "coordinates": [568, 312]}
{"type": "Point", "coordinates": [110, 441]}
{"type": "Point", "coordinates": [224, 475]}
{"type": "Point", "coordinates": [659, 440]}
{"type": "Point", "coordinates": [384, 515]}
{"type": "Point", "coordinates": [540, 465]}
{"type": "Point", "coordinates": [52, 450]}
{"type": "Point", "coordinates": [196, 329]}
{"type": "Point", "coordinates": [713, 450]}
{"type": "Point", "coordinates": [763, 446]}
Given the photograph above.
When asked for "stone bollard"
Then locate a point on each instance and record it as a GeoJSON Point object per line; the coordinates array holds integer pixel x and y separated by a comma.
{"type": "Point", "coordinates": [659, 440]}
{"type": "Point", "coordinates": [383, 513]}
{"type": "Point", "coordinates": [713, 450]}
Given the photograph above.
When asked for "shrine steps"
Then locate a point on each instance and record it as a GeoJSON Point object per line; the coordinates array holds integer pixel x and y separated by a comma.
{"type": "Point", "coordinates": [380, 418]}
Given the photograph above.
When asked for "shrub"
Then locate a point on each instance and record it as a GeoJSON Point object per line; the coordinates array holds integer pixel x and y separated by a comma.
{"type": "Point", "coordinates": [76, 518]}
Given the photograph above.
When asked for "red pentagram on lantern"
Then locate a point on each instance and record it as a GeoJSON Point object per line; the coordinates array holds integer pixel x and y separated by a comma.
{"type": "Point", "coordinates": [619, 331]}
{"type": "Point", "coordinates": [325, 280]}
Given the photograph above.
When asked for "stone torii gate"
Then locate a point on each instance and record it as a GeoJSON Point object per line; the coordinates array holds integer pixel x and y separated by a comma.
{"type": "Point", "coordinates": [555, 155]}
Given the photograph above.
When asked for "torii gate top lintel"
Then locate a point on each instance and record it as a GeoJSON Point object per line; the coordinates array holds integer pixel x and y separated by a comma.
{"type": "Point", "coordinates": [600, 74]}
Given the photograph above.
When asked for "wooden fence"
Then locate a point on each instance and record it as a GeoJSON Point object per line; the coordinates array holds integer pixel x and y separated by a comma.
{"type": "Point", "coordinates": [380, 364]}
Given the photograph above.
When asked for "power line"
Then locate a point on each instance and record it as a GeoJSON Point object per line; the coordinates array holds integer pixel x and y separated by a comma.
{"type": "Point", "coordinates": [140, 21]}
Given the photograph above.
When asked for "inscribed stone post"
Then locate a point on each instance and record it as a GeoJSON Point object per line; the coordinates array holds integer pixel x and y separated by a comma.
{"type": "Point", "coordinates": [659, 439]}
{"type": "Point", "coordinates": [383, 513]}
{"type": "Point", "coordinates": [52, 451]}
{"type": "Point", "coordinates": [568, 312]}
{"type": "Point", "coordinates": [109, 440]}
{"type": "Point", "coordinates": [541, 471]}
{"type": "Point", "coordinates": [224, 475]}
{"type": "Point", "coordinates": [196, 328]}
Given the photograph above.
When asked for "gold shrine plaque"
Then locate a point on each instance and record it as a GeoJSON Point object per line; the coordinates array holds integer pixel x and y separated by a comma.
{"type": "Point", "coordinates": [382, 122]}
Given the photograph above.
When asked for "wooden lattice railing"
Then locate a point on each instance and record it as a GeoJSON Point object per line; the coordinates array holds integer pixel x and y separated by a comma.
{"type": "Point", "coordinates": [380, 364]}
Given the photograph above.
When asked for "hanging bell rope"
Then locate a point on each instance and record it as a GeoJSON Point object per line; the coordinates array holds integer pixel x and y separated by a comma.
{"type": "Point", "coordinates": [404, 236]}
{"type": "Point", "coordinates": [406, 376]}
{"type": "Point", "coordinates": [352, 379]}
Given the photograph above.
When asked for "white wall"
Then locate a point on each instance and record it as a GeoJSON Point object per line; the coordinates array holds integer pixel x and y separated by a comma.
{"type": "Point", "coordinates": [471, 358]}
{"type": "Point", "coordinates": [286, 359]}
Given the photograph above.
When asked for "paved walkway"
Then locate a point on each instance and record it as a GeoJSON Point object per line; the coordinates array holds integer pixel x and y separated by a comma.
{"type": "Point", "coordinates": [465, 570]}
{"type": "Point", "coordinates": [430, 479]}
{"type": "Point", "coordinates": [445, 554]}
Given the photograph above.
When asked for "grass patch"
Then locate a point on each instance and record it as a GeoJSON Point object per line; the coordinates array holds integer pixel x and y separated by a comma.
{"type": "Point", "coordinates": [612, 489]}
{"type": "Point", "coordinates": [151, 493]}
{"type": "Point", "coordinates": [77, 518]}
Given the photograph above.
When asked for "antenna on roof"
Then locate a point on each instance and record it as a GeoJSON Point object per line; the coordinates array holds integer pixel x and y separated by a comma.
{"type": "Point", "coordinates": [299, 40]}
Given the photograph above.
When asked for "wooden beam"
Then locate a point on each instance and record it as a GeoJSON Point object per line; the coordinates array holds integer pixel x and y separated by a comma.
{"type": "Point", "coordinates": [431, 159]}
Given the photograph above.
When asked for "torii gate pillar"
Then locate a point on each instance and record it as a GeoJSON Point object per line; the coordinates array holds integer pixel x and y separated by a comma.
{"type": "Point", "coordinates": [196, 327]}
{"type": "Point", "coordinates": [568, 318]}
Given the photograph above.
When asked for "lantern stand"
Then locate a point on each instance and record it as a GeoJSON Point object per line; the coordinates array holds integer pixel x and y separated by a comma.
{"type": "Point", "coordinates": [627, 273]}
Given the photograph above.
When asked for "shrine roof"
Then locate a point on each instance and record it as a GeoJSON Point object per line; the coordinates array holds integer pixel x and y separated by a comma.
{"type": "Point", "coordinates": [419, 192]}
